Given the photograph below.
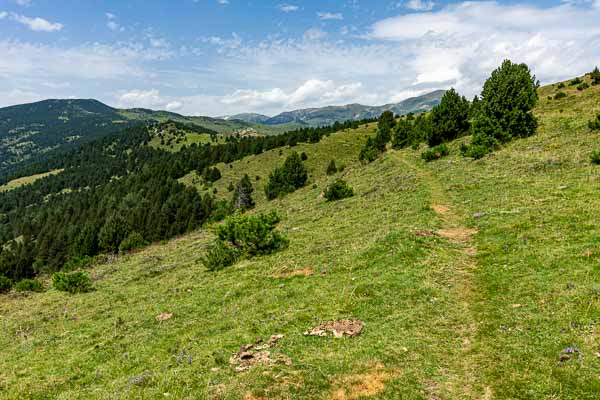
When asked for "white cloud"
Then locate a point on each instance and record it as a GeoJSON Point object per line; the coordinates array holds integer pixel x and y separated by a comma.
{"type": "Point", "coordinates": [36, 24]}
{"type": "Point", "coordinates": [313, 92]}
{"type": "Point", "coordinates": [223, 2]}
{"type": "Point", "coordinates": [23, 2]}
{"type": "Point", "coordinates": [329, 16]}
{"type": "Point", "coordinates": [147, 99]}
{"type": "Point", "coordinates": [315, 34]}
{"type": "Point", "coordinates": [112, 24]}
{"type": "Point", "coordinates": [287, 8]}
{"type": "Point", "coordinates": [420, 5]}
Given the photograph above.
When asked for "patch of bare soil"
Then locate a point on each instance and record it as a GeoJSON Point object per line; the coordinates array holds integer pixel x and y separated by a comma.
{"type": "Point", "coordinates": [459, 234]}
{"type": "Point", "coordinates": [341, 328]}
{"type": "Point", "coordinates": [440, 209]}
{"type": "Point", "coordinates": [299, 272]}
{"type": "Point", "coordinates": [162, 317]}
{"type": "Point", "coordinates": [423, 232]}
{"type": "Point", "coordinates": [369, 384]}
{"type": "Point", "coordinates": [256, 353]}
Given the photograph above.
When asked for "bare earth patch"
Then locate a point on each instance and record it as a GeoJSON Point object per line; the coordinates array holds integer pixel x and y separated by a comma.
{"type": "Point", "coordinates": [460, 234]}
{"type": "Point", "coordinates": [299, 272]}
{"type": "Point", "coordinates": [347, 327]}
{"type": "Point", "coordinates": [440, 209]}
{"type": "Point", "coordinates": [255, 353]}
{"type": "Point", "coordinates": [363, 385]}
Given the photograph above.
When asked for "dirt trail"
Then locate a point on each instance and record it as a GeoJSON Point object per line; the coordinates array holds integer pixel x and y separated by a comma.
{"type": "Point", "coordinates": [462, 380]}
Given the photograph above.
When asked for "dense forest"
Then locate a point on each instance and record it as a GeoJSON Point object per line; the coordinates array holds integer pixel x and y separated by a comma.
{"type": "Point", "coordinates": [115, 191]}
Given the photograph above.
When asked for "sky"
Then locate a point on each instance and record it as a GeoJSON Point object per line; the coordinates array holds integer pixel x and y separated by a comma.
{"type": "Point", "coordinates": [223, 57]}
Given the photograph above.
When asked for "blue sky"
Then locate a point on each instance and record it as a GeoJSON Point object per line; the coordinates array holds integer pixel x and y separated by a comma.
{"type": "Point", "coordinates": [221, 57]}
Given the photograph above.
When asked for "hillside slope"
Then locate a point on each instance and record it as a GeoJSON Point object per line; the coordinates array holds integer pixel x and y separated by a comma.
{"type": "Point", "coordinates": [475, 280]}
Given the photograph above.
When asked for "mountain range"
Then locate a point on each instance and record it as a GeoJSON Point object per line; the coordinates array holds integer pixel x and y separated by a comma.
{"type": "Point", "coordinates": [331, 114]}
{"type": "Point", "coordinates": [37, 129]}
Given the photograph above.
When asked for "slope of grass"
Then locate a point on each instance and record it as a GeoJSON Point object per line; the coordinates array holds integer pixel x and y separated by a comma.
{"type": "Point", "coordinates": [15, 183]}
{"type": "Point", "coordinates": [455, 305]}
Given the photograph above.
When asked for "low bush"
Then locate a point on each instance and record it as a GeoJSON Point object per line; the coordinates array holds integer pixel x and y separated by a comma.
{"type": "Point", "coordinates": [332, 168]}
{"type": "Point", "coordinates": [583, 86]}
{"type": "Point", "coordinates": [244, 236]}
{"type": "Point", "coordinates": [575, 82]}
{"type": "Point", "coordinates": [560, 95]}
{"type": "Point", "coordinates": [435, 153]}
{"type": "Point", "coordinates": [72, 282]}
{"type": "Point", "coordinates": [78, 262]}
{"type": "Point", "coordinates": [219, 255]}
{"type": "Point", "coordinates": [287, 178]}
{"type": "Point", "coordinates": [29, 285]}
{"type": "Point", "coordinates": [133, 241]}
{"type": "Point", "coordinates": [561, 85]}
{"type": "Point", "coordinates": [595, 157]}
{"type": "Point", "coordinates": [5, 284]}
{"type": "Point", "coordinates": [475, 151]}
{"type": "Point", "coordinates": [338, 190]}
{"type": "Point", "coordinates": [595, 123]}
{"type": "Point", "coordinates": [303, 156]}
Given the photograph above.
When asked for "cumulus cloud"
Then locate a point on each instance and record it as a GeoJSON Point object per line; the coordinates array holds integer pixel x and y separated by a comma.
{"type": "Point", "coordinates": [313, 92]}
{"type": "Point", "coordinates": [148, 99]}
{"type": "Point", "coordinates": [36, 24]}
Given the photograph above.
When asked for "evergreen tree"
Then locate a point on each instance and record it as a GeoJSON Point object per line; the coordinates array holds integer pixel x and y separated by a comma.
{"type": "Point", "coordinates": [504, 112]}
{"type": "Point", "coordinates": [295, 171]}
{"type": "Point", "coordinates": [242, 196]}
{"type": "Point", "coordinates": [449, 119]}
{"type": "Point", "coordinates": [595, 75]}
{"type": "Point", "coordinates": [403, 134]}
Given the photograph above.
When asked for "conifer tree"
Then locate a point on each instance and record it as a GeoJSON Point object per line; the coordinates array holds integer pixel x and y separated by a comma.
{"type": "Point", "coordinates": [242, 195]}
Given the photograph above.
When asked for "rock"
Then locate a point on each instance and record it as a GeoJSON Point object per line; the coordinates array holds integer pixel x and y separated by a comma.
{"type": "Point", "coordinates": [478, 215]}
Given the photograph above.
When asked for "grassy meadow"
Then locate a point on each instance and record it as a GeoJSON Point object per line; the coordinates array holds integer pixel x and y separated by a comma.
{"type": "Point", "coordinates": [474, 279]}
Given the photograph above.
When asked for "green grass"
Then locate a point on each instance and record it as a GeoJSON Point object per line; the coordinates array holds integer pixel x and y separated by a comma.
{"type": "Point", "coordinates": [27, 180]}
{"type": "Point", "coordinates": [482, 310]}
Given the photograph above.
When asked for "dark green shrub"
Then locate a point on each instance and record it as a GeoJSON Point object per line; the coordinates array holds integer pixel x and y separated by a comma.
{"type": "Point", "coordinates": [219, 255]}
{"type": "Point", "coordinates": [595, 157]}
{"type": "Point", "coordinates": [560, 95]}
{"type": "Point", "coordinates": [288, 178]}
{"type": "Point", "coordinates": [78, 262]}
{"type": "Point", "coordinates": [331, 168]}
{"type": "Point", "coordinates": [212, 174]}
{"type": "Point", "coordinates": [303, 156]}
{"type": "Point", "coordinates": [230, 187]}
{"type": "Point", "coordinates": [72, 282]}
{"type": "Point", "coordinates": [595, 124]}
{"type": "Point", "coordinates": [338, 190]}
{"type": "Point", "coordinates": [29, 285]}
{"type": "Point", "coordinates": [575, 81]}
{"type": "Point", "coordinates": [244, 236]}
{"type": "Point", "coordinates": [583, 86]}
{"type": "Point", "coordinates": [504, 112]}
{"type": "Point", "coordinates": [449, 119]}
{"type": "Point", "coordinates": [561, 85]}
{"type": "Point", "coordinates": [474, 151]}
{"type": "Point", "coordinates": [5, 284]}
{"type": "Point", "coordinates": [133, 241]}
{"type": "Point", "coordinates": [242, 196]}
{"type": "Point", "coordinates": [435, 153]}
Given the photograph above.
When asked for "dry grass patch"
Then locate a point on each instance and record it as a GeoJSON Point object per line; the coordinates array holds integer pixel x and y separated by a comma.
{"type": "Point", "coordinates": [369, 384]}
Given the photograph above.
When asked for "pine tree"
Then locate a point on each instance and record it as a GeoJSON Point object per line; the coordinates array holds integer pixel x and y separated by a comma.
{"type": "Point", "coordinates": [449, 119]}
{"type": "Point", "coordinates": [242, 196]}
